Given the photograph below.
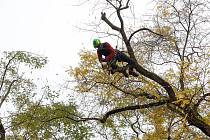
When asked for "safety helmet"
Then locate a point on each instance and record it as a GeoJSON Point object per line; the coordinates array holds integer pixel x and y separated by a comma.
{"type": "Point", "coordinates": [96, 43]}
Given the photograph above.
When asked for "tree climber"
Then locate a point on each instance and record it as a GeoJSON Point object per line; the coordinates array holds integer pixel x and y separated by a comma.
{"type": "Point", "coordinates": [107, 55]}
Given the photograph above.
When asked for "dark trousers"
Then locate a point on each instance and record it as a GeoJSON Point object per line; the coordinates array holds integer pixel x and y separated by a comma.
{"type": "Point", "coordinates": [121, 57]}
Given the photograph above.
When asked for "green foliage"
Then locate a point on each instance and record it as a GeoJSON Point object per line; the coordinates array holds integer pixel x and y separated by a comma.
{"type": "Point", "coordinates": [30, 59]}
{"type": "Point", "coordinates": [15, 85]}
{"type": "Point", "coordinates": [46, 122]}
{"type": "Point", "coordinates": [32, 120]}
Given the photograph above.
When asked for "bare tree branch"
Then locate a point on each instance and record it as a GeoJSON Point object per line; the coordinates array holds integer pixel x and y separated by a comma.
{"type": "Point", "coordinates": [117, 110]}
{"type": "Point", "coordinates": [8, 91]}
{"type": "Point", "coordinates": [143, 29]}
{"type": "Point", "coordinates": [200, 100]}
{"type": "Point", "coordinates": [135, 107]}
{"type": "Point", "coordinates": [143, 94]}
{"type": "Point", "coordinates": [104, 18]}
{"type": "Point", "coordinates": [5, 71]}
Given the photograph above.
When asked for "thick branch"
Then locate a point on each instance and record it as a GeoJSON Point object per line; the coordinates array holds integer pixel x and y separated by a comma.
{"type": "Point", "coordinates": [121, 20]}
{"type": "Point", "coordinates": [143, 29]}
{"type": "Point", "coordinates": [196, 120]}
{"type": "Point", "coordinates": [2, 131]}
{"type": "Point", "coordinates": [193, 118]}
{"type": "Point", "coordinates": [118, 110]}
{"type": "Point", "coordinates": [104, 18]}
{"type": "Point", "coordinates": [120, 30]}
{"type": "Point", "coordinates": [157, 79]}
{"type": "Point", "coordinates": [128, 108]}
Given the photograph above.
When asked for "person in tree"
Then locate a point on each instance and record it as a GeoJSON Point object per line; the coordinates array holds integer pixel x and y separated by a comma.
{"type": "Point", "coordinates": [108, 55]}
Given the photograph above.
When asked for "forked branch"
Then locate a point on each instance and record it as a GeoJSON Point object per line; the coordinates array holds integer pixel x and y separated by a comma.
{"type": "Point", "coordinates": [123, 109]}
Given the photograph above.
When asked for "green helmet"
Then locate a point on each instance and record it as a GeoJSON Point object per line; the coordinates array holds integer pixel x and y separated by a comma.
{"type": "Point", "coordinates": [96, 43]}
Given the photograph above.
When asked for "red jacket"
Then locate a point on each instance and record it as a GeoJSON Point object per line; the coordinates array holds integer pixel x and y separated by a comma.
{"type": "Point", "coordinates": [106, 50]}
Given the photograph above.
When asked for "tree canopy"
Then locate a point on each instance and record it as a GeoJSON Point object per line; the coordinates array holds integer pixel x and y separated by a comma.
{"type": "Point", "coordinates": [170, 100]}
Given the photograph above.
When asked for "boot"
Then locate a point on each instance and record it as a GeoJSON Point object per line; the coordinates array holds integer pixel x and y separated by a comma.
{"type": "Point", "coordinates": [134, 72]}
{"type": "Point", "coordinates": [112, 71]}
{"type": "Point", "coordinates": [126, 72]}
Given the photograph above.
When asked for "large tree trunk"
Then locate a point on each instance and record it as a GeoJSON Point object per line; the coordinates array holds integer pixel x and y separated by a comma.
{"type": "Point", "coordinates": [196, 120]}
{"type": "Point", "coordinates": [2, 131]}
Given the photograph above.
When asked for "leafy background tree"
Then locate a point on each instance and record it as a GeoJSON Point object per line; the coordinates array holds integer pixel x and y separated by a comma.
{"type": "Point", "coordinates": [37, 113]}
{"type": "Point", "coordinates": [49, 122]}
{"type": "Point", "coordinates": [15, 87]}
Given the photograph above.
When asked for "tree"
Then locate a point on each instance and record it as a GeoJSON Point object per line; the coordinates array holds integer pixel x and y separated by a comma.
{"type": "Point", "coordinates": [49, 122]}
{"type": "Point", "coordinates": [172, 56]}
{"type": "Point", "coordinates": [14, 86]}
{"type": "Point", "coordinates": [36, 113]}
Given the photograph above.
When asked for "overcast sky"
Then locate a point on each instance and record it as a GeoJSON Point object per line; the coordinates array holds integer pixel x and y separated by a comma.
{"type": "Point", "coordinates": [42, 26]}
{"type": "Point", "coordinates": [46, 27]}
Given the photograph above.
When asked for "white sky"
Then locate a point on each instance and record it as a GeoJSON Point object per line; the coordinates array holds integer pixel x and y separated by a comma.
{"type": "Point", "coordinates": [46, 27]}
